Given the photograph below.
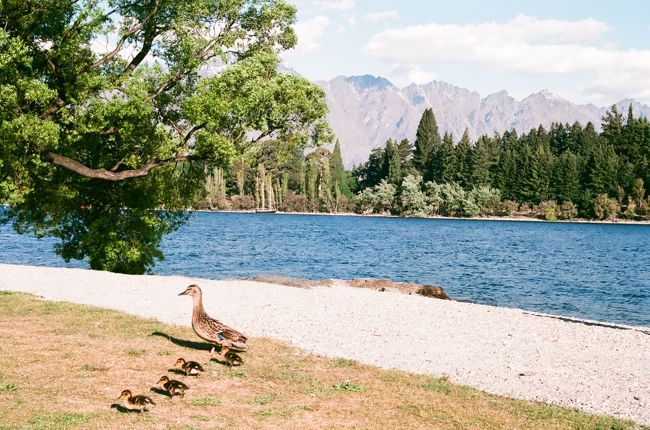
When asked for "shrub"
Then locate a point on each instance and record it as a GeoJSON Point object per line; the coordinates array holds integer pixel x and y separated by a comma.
{"type": "Point", "coordinates": [433, 197]}
{"type": "Point", "coordinates": [548, 210]}
{"type": "Point", "coordinates": [606, 208]}
{"type": "Point", "coordinates": [488, 199]}
{"type": "Point", "coordinates": [294, 203]}
{"type": "Point", "coordinates": [414, 201]}
{"type": "Point", "coordinates": [507, 207]}
{"type": "Point", "coordinates": [239, 203]}
{"type": "Point", "coordinates": [568, 210]}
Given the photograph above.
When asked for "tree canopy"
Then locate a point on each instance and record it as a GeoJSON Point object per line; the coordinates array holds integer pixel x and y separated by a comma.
{"type": "Point", "coordinates": [109, 111]}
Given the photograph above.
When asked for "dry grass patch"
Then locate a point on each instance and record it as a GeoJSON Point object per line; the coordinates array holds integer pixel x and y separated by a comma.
{"type": "Point", "coordinates": [64, 365]}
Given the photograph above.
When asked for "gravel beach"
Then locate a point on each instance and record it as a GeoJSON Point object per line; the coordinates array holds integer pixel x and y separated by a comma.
{"type": "Point", "coordinates": [600, 368]}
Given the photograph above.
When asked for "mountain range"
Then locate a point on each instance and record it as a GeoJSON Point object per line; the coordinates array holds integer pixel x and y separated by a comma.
{"type": "Point", "coordinates": [366, 110]}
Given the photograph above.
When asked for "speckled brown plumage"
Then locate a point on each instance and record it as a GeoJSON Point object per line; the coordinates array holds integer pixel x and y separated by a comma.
{"type": "Point", "coordinates": [172, 386]}
{"type": "Point", "coordinates": [191, 368]}
{"type": "Point", "coordinates": [214, 331]}
{"type": "Point", "coordinates": [136, 402]}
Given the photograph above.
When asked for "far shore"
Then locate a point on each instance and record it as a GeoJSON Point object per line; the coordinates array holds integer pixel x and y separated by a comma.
{"type": "Point", "coordinates": [440, 217]}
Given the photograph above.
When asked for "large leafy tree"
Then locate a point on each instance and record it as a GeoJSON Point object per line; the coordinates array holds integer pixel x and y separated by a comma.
{"type": "Point", "coordinates": [108, 113]}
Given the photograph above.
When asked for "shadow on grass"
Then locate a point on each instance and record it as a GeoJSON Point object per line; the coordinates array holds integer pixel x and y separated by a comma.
{"type": "Point", "coordinates": [201, 346]}
{"type": "Point", "coordinates": [161, 392]}
{"type": "Point", "coordinates": [235, 359]}
{"type": "Point", "coordinates": [124, 410]}
{"type": "Point", "coordinates": [177, 371]}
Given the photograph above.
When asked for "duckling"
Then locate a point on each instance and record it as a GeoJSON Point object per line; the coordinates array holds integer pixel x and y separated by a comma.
{"type": "Point", "coordinates": [191, 368]}
{"type": "Point", "coordinates": [172, 386]}
{"type": "Point", "coordinates": [214, 331]}
{"type": "Point", "coordinates": [141, 403]}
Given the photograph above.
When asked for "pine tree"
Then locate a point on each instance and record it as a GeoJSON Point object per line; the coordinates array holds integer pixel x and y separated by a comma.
{"type": "Point", "coordinates": [427, 140]}
{"type": "Point", "coordinates": [463, 160]}
{"type": "Point", "coordinates": [602, 171]}
{"type": "Point", "coordinates": [480, 163]}
{"type": "Point", "coordinates": [392, 164]}
{"type": "Point", "coordinates": [405, 151]}
{"type": "Point", "coordinates": [445, 169]}
{"type": "Point", "coordinates": [566, 178]}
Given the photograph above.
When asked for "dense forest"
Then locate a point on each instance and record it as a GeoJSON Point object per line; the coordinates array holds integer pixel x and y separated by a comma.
{"type": "Point", "coordinates": [565, 172]}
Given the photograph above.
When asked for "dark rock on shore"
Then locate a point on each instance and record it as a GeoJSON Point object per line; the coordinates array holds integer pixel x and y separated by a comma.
{"type": "Point", "coordinates": [433, 291]}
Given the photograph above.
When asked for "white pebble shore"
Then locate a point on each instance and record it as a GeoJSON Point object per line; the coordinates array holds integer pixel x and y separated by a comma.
{"type": "Point", "coordinates": [604, 370]}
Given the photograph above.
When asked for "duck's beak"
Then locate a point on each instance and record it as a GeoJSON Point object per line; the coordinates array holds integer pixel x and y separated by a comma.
{"type": "Point", "coordinates": [183, 293]}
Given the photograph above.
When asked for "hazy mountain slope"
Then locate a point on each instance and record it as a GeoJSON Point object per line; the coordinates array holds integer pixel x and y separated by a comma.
{"type": "Point", "coordinates": [367, 110]}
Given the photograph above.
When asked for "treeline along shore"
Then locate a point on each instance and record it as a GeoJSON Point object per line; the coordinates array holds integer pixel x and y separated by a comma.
{"type": "Point", "coordinates": [566, 172]}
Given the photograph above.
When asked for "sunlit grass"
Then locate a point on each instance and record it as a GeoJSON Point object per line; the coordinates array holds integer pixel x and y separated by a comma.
{"type": "Point", "coordinates": [75, 360]}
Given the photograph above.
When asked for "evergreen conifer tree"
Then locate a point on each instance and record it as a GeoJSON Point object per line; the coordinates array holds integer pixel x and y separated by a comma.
{"type": "Point", "coordinates": [392, 164]}
{"type": "Point", "coordinates": [427, 140]}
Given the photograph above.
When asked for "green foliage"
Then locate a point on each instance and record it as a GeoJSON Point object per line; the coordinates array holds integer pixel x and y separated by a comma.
{"type": "Point", "coordinates": [413, 200]}
{"type": "Point", "coordinates": [548, 210]}
{"type": "Point", "coordinates": [427, 141]}
{"type": "Point", "coordinates": [339, 175]}
{"type": "Point", "coordinates": [379, 199]}
{"type": "Point", "coordinates": [105, 150]}
{"type": "Point", "coordinates": [606, 208]}
{"type": "Point", "coordinates": [564, 172]}
{"type": "Point", "coordinates": [392, 164]}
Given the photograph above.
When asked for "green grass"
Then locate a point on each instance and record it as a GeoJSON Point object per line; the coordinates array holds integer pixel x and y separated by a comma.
{"type": "Point", "coordinates": [206, 401]}
{"type": "Point", "coordinates": [264, 398]}
{"type": "Point", "coordinates": [438, 385]}
{"type": "Point", "coordinates": [348, 387]}
{"type": "Point", "coordinates": [75, 361]}
{"type": "Point", "coordinates": [57, 421]}
{"type": "Point", "coordinates": [8, 388]}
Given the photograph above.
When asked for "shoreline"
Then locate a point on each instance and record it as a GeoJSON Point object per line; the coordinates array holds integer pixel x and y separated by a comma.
{"type": "Point", "coordinates": [440, 217]}
{"type": "Point", "coordinates": [593, 367]}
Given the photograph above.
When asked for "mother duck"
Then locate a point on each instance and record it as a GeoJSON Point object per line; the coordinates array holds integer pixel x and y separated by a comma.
{"type": "Point", "coordinates": [214, 331]}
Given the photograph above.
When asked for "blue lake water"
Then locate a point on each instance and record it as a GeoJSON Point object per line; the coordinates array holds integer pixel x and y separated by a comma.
{"type": "Point", "coordinates": [594, 271]}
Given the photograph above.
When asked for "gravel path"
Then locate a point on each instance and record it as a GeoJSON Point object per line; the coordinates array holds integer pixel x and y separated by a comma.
{"type": "Point", "coordinates": [510, 352]}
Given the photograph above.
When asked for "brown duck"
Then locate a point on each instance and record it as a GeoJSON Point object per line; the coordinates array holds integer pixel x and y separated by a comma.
{"type": "Point", "coordinates": [136, 402]}
{"type": "Point", "coordinates": [214, 331]}
{"type": "Point", "coordinates": [191, 368]}
{"type": "Point", "coordinates": [172, 386]}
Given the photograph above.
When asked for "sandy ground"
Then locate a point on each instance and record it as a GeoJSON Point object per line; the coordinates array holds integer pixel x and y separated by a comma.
{"type": "Point", "coordinates": [510, 352]}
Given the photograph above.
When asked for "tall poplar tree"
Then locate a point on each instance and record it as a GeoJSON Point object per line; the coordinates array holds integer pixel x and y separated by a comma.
{"type": "Point", "coordinates": [339, 175]}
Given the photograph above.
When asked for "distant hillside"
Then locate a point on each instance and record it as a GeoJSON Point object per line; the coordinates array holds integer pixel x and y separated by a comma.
{"type": "Point", "coordinates": [367, 110]}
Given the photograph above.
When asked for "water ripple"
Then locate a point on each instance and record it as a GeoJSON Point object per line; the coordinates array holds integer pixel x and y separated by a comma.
{"type": "Point", "coordinates": [584, 270]}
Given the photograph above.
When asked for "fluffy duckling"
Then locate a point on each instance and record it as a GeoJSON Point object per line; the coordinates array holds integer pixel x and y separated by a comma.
{"type": "Point", "coordinates": [214, 331]}
{"type": "Point", "coordinates": [191, 368]}
{"type": "Point", "coordinates": [172, 386]}
{"type": "Point", "coordinates": [141, 403]}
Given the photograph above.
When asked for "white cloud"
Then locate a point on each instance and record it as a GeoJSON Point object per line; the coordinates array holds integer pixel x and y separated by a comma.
{"type": "Point", "coordinates": [385, 15]}
{"type": "Point", "coordinates": [411, 73]}
{"type": "Point", "coordinates": [524, 45]}
{"type": "Point", "coordinates": [309, 34]}
{"type": "Point", "coordinates": [336, 5]}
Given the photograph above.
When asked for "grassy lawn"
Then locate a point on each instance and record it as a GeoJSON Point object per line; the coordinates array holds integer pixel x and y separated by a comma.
{"type": "Point", "coordinates": [62, 366]}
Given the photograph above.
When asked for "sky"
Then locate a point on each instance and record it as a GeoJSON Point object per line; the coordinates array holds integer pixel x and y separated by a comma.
{"type": "Point", "coordinates": [586, 51]}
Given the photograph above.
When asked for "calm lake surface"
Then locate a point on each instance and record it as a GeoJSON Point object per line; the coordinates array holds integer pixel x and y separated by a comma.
{"type": "Point", "coordinates": [594, 271]}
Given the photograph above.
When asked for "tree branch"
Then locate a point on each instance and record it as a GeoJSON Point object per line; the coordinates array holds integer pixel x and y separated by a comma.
{"type": "Point", "coordinates": [108, 175]}
{"type": "Point", "coordinates": [193, 130]}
